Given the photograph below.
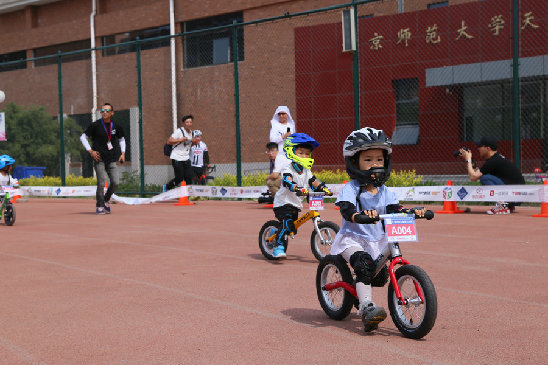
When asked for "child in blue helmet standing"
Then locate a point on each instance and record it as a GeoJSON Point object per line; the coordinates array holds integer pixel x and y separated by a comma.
{"type": "Point", "coordinates": [367, 154]}
{"type": "Point", "coordinates": [296, 180]}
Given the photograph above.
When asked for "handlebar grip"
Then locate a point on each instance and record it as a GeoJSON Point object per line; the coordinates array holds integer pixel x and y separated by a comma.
{"type": "Point", "coordinates": [427, 214]}
{"type": "Point", "coordinates": [364, 219]}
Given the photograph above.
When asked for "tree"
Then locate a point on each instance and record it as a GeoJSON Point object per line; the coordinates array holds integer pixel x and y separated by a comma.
{"type": "Point", "coordinates": [33, 138]}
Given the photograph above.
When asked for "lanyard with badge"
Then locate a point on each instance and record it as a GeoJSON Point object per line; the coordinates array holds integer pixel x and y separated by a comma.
{"type": "Point", "coordinates": [109, 135]}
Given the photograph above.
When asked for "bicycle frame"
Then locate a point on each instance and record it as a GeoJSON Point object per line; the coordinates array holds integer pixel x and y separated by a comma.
{"type": "Point", "coordinates": [5, 200]}
{"type": "Point", "coordinates": [393, 254]}
{"type": "Point", "coordinates": [311, 214]}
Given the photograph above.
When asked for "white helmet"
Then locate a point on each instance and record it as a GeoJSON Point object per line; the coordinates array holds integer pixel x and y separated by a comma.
{"type": "Point", "coordinates": [365, 139]}
{"type": "Point", "coordinates": [196, 133]}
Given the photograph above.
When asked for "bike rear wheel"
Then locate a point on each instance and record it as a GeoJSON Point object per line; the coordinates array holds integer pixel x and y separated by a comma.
{"type": "Point", "coordinates": [414, 318]}
{"type": "Point", "coordinates": [328, 232]}
{"type": "Point", "coordinates": [267, 230]}
{"type": "Point", "coordinates": [336, 303]}
{"type": "Point", "coordinates": [9, 214]}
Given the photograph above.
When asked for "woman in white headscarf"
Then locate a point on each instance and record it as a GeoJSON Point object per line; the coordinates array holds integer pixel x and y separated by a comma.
{"type": "Point", "coordinates": [282, 126]}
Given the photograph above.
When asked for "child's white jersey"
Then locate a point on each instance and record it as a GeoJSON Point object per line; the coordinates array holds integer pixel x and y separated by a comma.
{"type": "Point", "coordinates": [7, 180]}
{"type": "Point", "coordinates": [367, 201]}
{"type": "Point", "coordinates": [197, 154]}
{"type": "Point", "coordinates": [284, 195]}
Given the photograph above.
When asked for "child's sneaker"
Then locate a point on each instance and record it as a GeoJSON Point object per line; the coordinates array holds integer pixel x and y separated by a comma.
{"type": "Point", "coordinates": [371, 316]}
{"type": "Point", "coordinates": [499, 208]}
{"type": "Point", "coordinates": [279, 252]}
{"type": "Point", "coordinates": [100, 210]}
{"type": "Point", "coordinates": [107, 207]}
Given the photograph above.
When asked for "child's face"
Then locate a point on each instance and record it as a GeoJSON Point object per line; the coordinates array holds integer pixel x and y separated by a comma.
{"type": "Point", "coordinates": [272, 152]}
{"type": "Point", "coordinates": [303, 152]}
{"type": "Point", "coordinates": [371, 158]}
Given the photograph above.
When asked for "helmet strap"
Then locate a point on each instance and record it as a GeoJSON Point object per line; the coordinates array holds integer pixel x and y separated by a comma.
{"type": "Point", "coordinates": [297, 167]}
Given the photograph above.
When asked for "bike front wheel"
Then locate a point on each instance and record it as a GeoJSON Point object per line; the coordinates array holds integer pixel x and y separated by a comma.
{"type": "Point", "coordinates": [336, 303]}
{"type": "Point", "coordinates": [268, 229]}
{"type": "Point", "coordinates": [9, 214]}
{"type": "Point", "coordinates": [414, 318]}
{"type": "Point", "coordinates": [328, 231]}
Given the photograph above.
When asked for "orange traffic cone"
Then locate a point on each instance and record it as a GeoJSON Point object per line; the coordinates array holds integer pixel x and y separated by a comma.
{"type": "Point", "coordinates": [336, 207]}
{"type": "Point", "coordinates": [450, 207]}
{"type": "Point", "coordinates": [184, 199]}
{"type": "Point", "coordinates": [543, 205]}
{"type": "Point", "coordinates": [268, 205]}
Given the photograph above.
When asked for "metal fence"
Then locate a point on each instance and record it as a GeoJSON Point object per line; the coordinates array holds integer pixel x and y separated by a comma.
{"type": "Point", "coordinates": [435, 80]}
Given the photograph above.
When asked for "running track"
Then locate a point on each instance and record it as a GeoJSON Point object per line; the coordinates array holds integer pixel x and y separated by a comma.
{"type": "Point", "coordinates": [164, 284]}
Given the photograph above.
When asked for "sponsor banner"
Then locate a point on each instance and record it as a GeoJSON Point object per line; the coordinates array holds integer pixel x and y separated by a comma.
{"type": "Point", "coordinates": [506, 193]}
{"type": "Point", "coordinates": [478, 193]}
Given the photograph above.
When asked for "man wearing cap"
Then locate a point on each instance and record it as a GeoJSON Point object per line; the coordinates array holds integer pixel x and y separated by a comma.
{"type": "Point", "coordinates": [496, 170]}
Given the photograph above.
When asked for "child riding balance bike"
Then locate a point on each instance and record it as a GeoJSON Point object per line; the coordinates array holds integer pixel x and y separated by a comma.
{"type": "Point", "coordinates": [297, 179]}
{"type": "Point", "coordinates": [364, 244]}
{"type": "Point", "coordinates": [7, 210]}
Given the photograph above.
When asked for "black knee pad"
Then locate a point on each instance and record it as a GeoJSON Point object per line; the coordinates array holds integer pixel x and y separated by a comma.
{"type": "Point", "coordinates": [363, 266]}
{"type": "Point", "coordinates": [381, 279]}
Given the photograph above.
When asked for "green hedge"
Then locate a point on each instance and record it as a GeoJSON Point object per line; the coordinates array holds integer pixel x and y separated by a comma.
{"type": "Point", "coordinates": [130, 182]}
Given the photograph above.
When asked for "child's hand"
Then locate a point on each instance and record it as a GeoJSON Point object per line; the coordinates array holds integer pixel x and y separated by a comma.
{"type": "Point", "coordinates": [370, 213]}
{"type": "Point", "coordinates": [300, 191]}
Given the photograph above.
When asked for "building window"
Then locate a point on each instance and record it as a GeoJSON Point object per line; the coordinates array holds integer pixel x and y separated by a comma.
{"type": "Point", "coordinates": [65, 47]}
{"type": "Point", "coordinates": [132, 36]}
{"type": "Point", "coordinates": [406, 95]}
{"type": "Point", "coordinates": [13, 56]}
{"type": "Point", "coordinates": [213, 47]}
{"type": "Point", "coordinates": [440, 4]}
{"type": "Point", "coordinates": [487, 110]}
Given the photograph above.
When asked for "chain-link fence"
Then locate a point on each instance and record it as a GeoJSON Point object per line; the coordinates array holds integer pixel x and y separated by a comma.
{"type": "Point", "coordinates": [435, 80]}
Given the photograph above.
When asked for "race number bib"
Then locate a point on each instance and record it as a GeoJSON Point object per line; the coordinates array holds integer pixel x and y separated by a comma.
{"type": "Point", "coordinates": [401, 229]}
{"type": "Point", "coordinates": [315, 202]}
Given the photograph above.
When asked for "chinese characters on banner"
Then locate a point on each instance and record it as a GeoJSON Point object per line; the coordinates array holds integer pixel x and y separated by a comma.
{"type": "Point", "coordinates": [432, 36]}
{"type": "Point", "coordinates": [3, 127]}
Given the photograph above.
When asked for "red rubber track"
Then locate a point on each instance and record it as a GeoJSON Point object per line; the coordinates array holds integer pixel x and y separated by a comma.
{"type": "Point", "coordinates": [164, 284]}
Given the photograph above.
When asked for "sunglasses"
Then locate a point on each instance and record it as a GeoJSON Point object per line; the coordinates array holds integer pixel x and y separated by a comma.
{"type": "Point", "coordinates": [106, 110]}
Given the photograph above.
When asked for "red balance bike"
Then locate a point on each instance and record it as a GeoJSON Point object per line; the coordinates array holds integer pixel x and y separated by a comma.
{"type": "Point", "coordinates": [412, 299]}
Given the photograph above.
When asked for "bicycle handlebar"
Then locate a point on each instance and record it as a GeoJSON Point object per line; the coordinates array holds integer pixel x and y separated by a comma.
{"type": "Point", "coordinates": [364, 219]}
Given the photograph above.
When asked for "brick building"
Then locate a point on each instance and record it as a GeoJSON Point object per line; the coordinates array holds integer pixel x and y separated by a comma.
{"type": "Point", "coordinates": [271, 72]}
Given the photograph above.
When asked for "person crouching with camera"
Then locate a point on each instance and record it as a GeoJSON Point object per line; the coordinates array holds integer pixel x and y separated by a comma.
{"type": "Point", "coordinates": [496, 170]}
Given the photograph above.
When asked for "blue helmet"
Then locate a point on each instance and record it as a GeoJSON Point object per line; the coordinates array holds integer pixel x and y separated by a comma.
{"type": "Point", "coordinates": [299, 139]}
{"type": "Point", "coordinates": [6, 160]}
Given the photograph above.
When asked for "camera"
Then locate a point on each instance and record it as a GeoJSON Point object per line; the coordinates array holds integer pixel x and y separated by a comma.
{"type": "Point", "coordinates": [457, 152]}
